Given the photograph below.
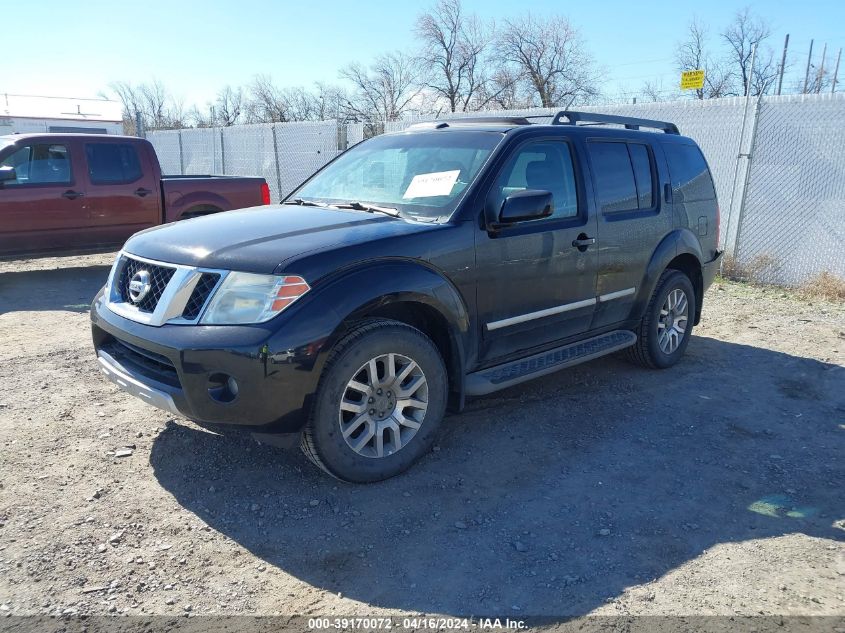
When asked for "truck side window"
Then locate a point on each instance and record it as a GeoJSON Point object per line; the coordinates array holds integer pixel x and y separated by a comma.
{"type": "Point", "coordinates": [543, 165]}
{"type": "Point", "coordinates": [690, 177]}
{"type": "Point", "coordinates": [614, 176]}
{"type": "Point", "coordinates": [643, 171]}
{"type": "Point", "coordinates": [39, 164]}
{"type": "Point", "coordinates": [112, 163]}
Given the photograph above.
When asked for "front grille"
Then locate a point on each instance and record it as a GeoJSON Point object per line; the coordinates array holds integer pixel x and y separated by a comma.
{"type": "Point", "coordinates": [145, 362]}
{"type": "Point", "coordinates": [200, 295]}
{"type": "Point", "coordinates": [159, 278]}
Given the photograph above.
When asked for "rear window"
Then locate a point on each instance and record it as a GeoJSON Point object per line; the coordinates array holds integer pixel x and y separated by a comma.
{"type": "Point", "coordinates": [112, 163]}
{"type": "Point", "coordinates": [691, 179]}
{"type": "Point", "coordinates": [623, 175]}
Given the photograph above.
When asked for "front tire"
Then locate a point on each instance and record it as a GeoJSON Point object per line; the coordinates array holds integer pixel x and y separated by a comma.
{"type": "Point", "coordinates": [666, 327]}
{"type": "Point", "coordinates": [379, 403]}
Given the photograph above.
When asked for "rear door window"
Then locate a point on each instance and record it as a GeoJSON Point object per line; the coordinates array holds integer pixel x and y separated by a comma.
{"type": "Point", "coordinates": [39, 164]}
{"type": "Point", "coordinates": [691, 179]}
{"type": "Point", "coordinates": [624, 175]}
{"type": "Point", "coordinates": [113, 163]}
{"type": "Point", "coordinates": [614, 176]}
{"type": "Point", "coordinates": [641, 161]}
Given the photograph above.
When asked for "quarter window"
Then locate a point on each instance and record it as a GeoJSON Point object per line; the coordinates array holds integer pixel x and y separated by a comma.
{"type": "Point", "coordinates": [112, 163]}
{"type": "Point", "coordinates": [39, 164]}
{"type": "Point", "coordinates": [690, 177]}
{"type": "Point", "coordinates": [543, 165]}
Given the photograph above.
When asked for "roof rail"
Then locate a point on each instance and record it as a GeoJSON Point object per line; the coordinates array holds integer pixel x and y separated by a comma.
{"type": "Point", "coordinates": [570, 117]}
{"type": "Point", "coordinates": [470, 120]}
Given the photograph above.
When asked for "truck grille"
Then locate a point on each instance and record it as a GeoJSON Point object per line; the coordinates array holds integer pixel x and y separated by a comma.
{"type": "Point", "coordinates": [200, 295]}
{"type": "Point", "coordinates": [159, 278]}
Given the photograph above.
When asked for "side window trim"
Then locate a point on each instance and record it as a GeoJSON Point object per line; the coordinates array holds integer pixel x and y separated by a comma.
{"type": "Point", "coordinates": [552, 223]}
{"type": "Point", "coordinates": [70, 182]}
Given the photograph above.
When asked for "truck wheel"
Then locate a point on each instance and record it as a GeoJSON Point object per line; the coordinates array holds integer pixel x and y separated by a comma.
{"type": "Point", "coordinates": [665, 329]}
{"type": "Point", "coordinates": [379, 403]}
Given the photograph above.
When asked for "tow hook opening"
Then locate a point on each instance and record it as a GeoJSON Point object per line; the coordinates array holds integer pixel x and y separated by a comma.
{"type": "Point", "coordinates": [222, 388]}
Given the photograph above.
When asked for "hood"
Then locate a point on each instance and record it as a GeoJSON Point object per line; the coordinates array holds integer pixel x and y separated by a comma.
{"type": "Point", "coordinates": [260, 238]}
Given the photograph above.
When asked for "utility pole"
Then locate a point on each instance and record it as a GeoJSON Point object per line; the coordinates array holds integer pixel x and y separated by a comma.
{"type": "Point", "coordinates": [821, 70]}
{"type": "Point", "coordinates": [807, 72]}
{"type": "Point", "coordinates": [836, 72]}
{"type": "Point", "coordinates": [783, 62]}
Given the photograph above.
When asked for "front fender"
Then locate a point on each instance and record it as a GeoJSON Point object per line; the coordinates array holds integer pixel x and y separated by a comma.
{"type": "Point", "coordinates": [678, 242]}
{"type": "Point", "coordinates": [307, 331]}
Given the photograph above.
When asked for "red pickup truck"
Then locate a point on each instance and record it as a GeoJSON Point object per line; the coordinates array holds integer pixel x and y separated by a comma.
{"type": "Point", "coordinates": [86, 191]}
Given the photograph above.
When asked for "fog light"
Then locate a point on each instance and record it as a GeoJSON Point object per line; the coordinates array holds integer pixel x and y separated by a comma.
{"type": "Point", "coordinates": [222, 388]}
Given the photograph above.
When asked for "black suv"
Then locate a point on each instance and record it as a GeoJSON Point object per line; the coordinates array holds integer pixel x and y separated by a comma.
{"type": "Point", "coordinates": [416, 269]}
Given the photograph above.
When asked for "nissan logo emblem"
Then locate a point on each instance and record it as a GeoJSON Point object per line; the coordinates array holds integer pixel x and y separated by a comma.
{"type": "Point", "coordinates": [139, 286]}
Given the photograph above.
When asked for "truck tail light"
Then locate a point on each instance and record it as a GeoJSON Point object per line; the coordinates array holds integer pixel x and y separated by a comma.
{"type": "Point", "coordinates": [265, 193]}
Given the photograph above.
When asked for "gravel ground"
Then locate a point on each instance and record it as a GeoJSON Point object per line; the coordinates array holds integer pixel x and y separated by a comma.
{"type": "Point", "coordinates": [716, 487]}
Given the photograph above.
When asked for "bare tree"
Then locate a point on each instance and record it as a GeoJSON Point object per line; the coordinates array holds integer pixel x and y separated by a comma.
{"type": "Point", "coordinates": [551, 55]}
{"type": "Point", "coordinates": [151, 103]}
{"type": "Point", "coordinates": [742, 35]}
{"type": "Point", "coordinates": [228, 106]}
{"type": "Point", "coordinates": [266, 103]}
{"type": "Point", "coordinates": [453, 47]}
{"type": "Point", "coordinates": [386, 89]}
{"type": "Point", "coordinates": [693, 54]}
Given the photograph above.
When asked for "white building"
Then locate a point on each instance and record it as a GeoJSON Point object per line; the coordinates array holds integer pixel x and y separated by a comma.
{"type": "Point", "coordinates": [20, 114]}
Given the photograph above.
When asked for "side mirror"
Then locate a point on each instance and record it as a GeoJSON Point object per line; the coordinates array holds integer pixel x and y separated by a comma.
{"type": "Point", "coordinates": [531, 204]}
{"type": "Point", "coordinates": [7, 174]}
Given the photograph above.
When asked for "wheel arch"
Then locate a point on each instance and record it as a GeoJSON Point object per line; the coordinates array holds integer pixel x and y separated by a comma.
{"type": "Point", "coordinates": [405, 291]}
{"type": "Point", "coordinates": [679, 250]}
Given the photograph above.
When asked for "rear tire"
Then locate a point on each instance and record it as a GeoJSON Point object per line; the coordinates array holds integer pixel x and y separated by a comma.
{"type": "Point", "coordinates": [379, 404]}
{"type": "Point", "coordinates": [666, 326]}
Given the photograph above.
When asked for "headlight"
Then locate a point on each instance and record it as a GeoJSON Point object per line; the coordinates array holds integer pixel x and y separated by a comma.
{"type": "Point", "coordinates": [250, 298]}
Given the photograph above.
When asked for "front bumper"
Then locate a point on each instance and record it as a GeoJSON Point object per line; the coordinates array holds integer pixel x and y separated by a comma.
{"type": "Point", "coordinates": [177, 368]}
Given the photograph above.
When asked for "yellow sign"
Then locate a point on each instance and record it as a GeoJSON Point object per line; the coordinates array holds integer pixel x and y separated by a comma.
{"type": "Point", "coordinates": [692, 80]}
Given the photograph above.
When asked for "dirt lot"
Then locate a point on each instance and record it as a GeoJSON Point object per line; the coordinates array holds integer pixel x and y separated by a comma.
{"type": "Point", "coordinates": [717, 487]}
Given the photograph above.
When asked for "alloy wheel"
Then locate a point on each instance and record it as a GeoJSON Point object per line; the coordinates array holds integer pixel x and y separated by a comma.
{"type": "Point", "coordinates": [383, 405]}
{"type": "Point", "coordinates": [672, 322]}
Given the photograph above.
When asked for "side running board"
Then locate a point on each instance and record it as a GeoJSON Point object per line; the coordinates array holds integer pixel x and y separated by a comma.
{"type": "Point", "coordinates": [517, 371]}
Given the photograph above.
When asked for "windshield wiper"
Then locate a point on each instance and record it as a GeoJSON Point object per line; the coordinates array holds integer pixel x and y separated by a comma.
{"type": "Point", "coordinates": [360, 206]}
{"type": "Point", "coordinates": [308, 203]}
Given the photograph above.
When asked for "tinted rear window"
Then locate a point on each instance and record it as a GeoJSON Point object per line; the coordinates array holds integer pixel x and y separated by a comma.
{"type": "Point", "coordinates": [641, 161]}
{"type": "Point", "coordinates": [690, 177]}
{"type": "Point", "coordinates": [112, 163]}
{"type": "Point", "coordinates": [614, 176]}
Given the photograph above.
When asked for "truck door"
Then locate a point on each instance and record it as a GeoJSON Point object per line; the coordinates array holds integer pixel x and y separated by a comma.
{"type": "Point", "coordinates": [123, 191]}
{"type": "Point", "coordinates": [44, 207]}
{"type": "Point", "coordinates": [537, 279]}
{"type": "Point", "coordinates": [632, 220]}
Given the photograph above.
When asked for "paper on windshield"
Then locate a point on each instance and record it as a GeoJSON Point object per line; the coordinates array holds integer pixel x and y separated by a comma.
{"type": "Point", "coordinates": [438, 183]}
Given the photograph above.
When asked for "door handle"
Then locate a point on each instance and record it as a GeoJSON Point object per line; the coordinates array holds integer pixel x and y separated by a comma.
{"type": "Point", "coordinates": [70, 194]}
{"type": "Point", "coordinates": [583, 242]}
{"type": "Point", "coordinates": [140, 191]}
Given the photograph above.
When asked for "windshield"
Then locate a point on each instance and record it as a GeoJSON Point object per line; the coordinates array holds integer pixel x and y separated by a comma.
{"type": "Point", "coordinates": [421, 175]}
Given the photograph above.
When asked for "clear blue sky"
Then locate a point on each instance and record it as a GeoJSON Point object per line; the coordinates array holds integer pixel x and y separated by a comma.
{"type": "Point", "coordinates": [55, 47]}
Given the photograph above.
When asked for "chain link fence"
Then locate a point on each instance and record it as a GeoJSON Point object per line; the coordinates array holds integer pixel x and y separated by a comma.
{"type": "Point", "coordinates": [778, 164]}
